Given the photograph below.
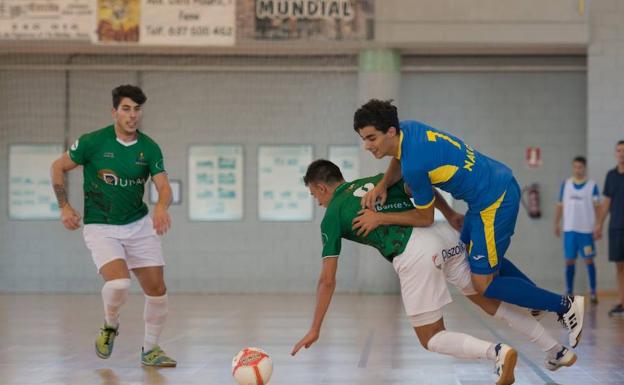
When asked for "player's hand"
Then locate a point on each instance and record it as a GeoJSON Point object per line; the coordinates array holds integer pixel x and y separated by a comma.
{"type": "Point", "coordinates": [162, 220]}
{"type": "Point", "coordinates": [365, 222]}
{"type": "Point", "coordinates": [557, 229]}
{"type": "Point", "coordinates": [307, 341]}
{"type": "Point", "coordinates": [456, 221]}
{"type": "Point", "coordinates": [70, 217]}
{"type": "Point", "coordinates": [597, 232]}
{"type": "Point", "coordinates": [377, 194]}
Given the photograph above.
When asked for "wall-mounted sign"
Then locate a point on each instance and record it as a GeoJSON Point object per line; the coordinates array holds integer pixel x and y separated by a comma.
{"type": "Point", "coordinates": [306, 20]}
{"type": "Point", "coordinates": [216, 182]}
{"type": "Point", "coordinates": [46, 19]}
{"type": "Point", "coordinates": [166, 22]}
{"type": "Point", "coordinates": [282, 195]}
{"type": "Point", "coordinates": [533, 157]}
{"type": "Point", "coordinates": [30, 189]}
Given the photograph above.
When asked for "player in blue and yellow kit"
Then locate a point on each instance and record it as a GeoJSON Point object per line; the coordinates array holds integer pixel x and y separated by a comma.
{"type": "Point", "coordinates": [426, 157]}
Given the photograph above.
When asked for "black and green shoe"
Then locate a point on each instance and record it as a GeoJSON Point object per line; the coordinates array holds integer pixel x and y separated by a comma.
{"type": "Point", "coordinates": [105, 341]}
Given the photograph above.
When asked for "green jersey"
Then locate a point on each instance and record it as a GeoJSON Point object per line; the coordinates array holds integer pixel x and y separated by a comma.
{"type": "Point", "coordinates": [344, 207]}
{"type": "Point", "coordinates": [115, 174]}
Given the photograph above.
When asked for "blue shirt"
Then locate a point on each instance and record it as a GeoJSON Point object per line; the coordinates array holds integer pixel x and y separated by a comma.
{"type": "Point", "coordinates": [430, 157]}
{"type": "Point", "coordinates": [614, 189]}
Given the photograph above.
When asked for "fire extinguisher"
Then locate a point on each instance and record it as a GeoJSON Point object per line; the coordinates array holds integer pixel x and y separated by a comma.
{"type": "Point", "coordinates": [532, 201]}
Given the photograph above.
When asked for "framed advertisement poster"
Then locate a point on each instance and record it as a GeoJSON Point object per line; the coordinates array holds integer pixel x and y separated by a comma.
{"type": "Point", "coordinates": [215, 182]}
{"type": "Point", "coordinates": [282, 195]}
{"type": "Point", "coordinates": [31, 196]}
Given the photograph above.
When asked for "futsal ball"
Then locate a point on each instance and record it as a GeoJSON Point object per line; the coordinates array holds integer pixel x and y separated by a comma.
{"type": "Point", "coordinates": [252, 366]}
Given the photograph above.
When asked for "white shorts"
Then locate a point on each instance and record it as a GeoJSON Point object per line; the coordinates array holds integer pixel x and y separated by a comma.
{"type": "Point", "coordinates": [137, 243]}
{"type": "Point", "coordinates": [433, 256]}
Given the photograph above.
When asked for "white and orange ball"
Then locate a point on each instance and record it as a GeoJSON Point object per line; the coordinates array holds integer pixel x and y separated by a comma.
{"type": "Point", "coordinates": [252, 366]}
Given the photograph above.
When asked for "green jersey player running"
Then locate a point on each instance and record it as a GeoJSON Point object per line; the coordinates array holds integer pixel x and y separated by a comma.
{"type": "Point", "coordinates": [117, 161]}
{"type": "Point", "coordinates": [423, 258]}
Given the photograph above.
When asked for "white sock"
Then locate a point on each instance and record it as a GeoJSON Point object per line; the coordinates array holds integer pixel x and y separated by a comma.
{"type": "Point", "coordinates": [459, 345]}
{"type": "Point", "coordinates": [155, 315]}
{"type": "Point", "coordinates": [521, 320]}
{"type": "Point", "coordinates": [114, 295]}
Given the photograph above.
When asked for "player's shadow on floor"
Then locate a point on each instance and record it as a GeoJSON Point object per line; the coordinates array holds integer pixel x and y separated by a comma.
{"type": "Point", "coordinates": [108, 377]}
{"type": "Point", "coordinates": [151, 376]}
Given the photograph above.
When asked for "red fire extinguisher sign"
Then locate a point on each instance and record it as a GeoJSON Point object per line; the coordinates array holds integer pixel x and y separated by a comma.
{"type": "Point", "coordinates": [533, 157]}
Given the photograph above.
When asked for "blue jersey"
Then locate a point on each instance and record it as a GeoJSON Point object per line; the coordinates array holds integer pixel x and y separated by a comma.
{"type": "Point", "coordinates": [430, 157]}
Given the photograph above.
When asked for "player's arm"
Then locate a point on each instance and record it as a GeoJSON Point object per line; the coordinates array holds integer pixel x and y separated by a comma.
{"type": "Point", "coordinates": [455, 219]}
{"type": "Point", "coordinates": [421, 216]}
{"type": "Point", "coordinates": [324, 292]}
{"type": "Point", "coordinates": [162, 220]}
{"type": "Point", "coordinates": [70, 217]}
{"type": "Point", "coordinates": [368, 220]}
{"type": "Point", "coordinates": [558, 215]}
{"type": "Point", "coordinates": [559, 210]}
{"type": "Point", "coordinates": [601, 213]}
{"type": "Point", "coordinates": [392, 176]}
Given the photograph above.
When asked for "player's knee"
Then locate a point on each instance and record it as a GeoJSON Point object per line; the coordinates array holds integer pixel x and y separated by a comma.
{"type": "Point", "coordinates": [427, 344]}
{"type": "Point", "coordinates": [480, 286]}
{"type": "Point", "coordinates": [118, 284]}
{"type": "Point", "coordinates": [426, 325]}
{"type": "Point", "coordinates": [481, 282]}
{"type": "Point", "coordinates": [156, 290]}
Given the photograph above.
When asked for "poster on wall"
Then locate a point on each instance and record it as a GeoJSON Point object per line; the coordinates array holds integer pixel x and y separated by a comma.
{"type": "Point", "coordinates": [316, 20]}
{"type": "Point", "coordinates": [166, 22]}
{"type": "Point", "coordinates": [348, 159]}
{"type": "Point", "coordinates": [215, 182]}
{"type": "Point", "coordinates": [282, 195]}
{"type": "Point", "coordinates": [31, 196]}
{"type": "Point", "coordinates": [46, 19]}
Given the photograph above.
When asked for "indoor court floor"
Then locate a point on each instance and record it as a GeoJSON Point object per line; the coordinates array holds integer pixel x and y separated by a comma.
{"type": "Point", "coordinates": [366, 340]}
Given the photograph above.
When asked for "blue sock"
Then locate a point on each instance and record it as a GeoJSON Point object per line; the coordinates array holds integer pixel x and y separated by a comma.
{"type": "Point", "coordinates": [508, 269]}
{"type": "Point", "coordinates": [520, 292]}
{"type": "Point", "coordinates": [570, 269]}
{"type": "Point", "coordinates": [591, 271]}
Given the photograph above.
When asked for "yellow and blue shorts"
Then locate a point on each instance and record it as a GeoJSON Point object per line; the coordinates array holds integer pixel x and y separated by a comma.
{"type": "Point", "coordinates": [575, 243]}
{"type": "Point", "coordinates": [488, 232]}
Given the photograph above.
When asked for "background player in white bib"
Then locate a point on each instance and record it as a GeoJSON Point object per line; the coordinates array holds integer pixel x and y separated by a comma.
{"type": "Point", "coordinates": [423, 258]}
{"type": "Point", "coordinates": [117, 161]}
{"type": "Point", "coordinates": [578, 200]}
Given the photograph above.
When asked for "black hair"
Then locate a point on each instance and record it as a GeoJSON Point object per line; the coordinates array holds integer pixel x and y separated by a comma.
{"type": "Point", "coordinates": [322, 171]}
{"type": "Point", "coordinates": [580, 159]}
{"type": "Point", "coordinates": [381, 114]}
{"type": "Point", "coordinates": [128, 91]}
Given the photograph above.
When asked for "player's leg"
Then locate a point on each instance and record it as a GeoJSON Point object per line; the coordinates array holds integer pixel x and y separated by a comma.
{"type": "Point", "coordinates": [146, 261]}
{"type": "Point", "coordinates": [457, 273]}
{"type": "Point", "coordinates": [570, 251]}
{"type": "Point", "coordinates": [616, 255]}
{"type": "Point", "coordinates": [587, 251]}
{"type": "Point", "coordinates": [618, 310]}
{"type": "Point", "coordinates": [424, 292]}
{"type": "Point", "coordinates": [108, 256]}
{"type": "Point", "coordinates": [490, 236]}
{"type": "Point", "coordinates": [115, 289]}
{"type": "Point", "coordinates": [508, 269]}
{"type": "Point", "coordinates": [433, 336]}
{"type": "Point", "coordinates": [154, 314]}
